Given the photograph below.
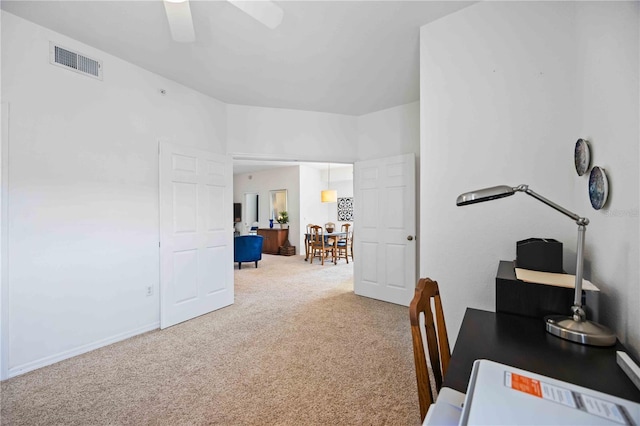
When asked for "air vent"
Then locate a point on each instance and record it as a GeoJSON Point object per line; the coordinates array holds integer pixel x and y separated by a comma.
{"type": "Point", "coordinates": [74, 61]}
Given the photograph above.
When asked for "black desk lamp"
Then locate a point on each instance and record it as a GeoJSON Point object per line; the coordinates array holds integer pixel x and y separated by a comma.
{"type": "Point", "coordinates": [575, 327]}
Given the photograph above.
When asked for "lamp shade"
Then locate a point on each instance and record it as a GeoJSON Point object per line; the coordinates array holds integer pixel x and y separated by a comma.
{"type": "Point", "coordinates": [485, 194]}
{"type": "Point", "coordinates": [329, 196]}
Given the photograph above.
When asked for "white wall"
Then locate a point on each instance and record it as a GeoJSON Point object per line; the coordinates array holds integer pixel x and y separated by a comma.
{"type": "Point", "coordinates": [389, 132]}
{"type": "Point", "coordinates": [311, 209]}
{"type": "Point", "coordinates": [289, 134]}
{"type": "Point", "coordinates": [608, 88]}
{"type": "Point", "coordinates": [83, 194]}
{"type": "Point", "coordinates": [506, 90]}
{"type": "Point", "coordinates": [313, 136]}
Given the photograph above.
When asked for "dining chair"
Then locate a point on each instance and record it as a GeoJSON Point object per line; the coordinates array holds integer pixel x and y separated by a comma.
{"type": "Point", "coordinates": [307, 241]}
{"type": "Point", "coordinates": [329, 227]}
{"type": "Point", "coordinates": [317, 246]}
{"type": "Point", "coordinates": [342, 247]}
{"type": "Point", "coordinates": [437, 341]}
{"type": "Point", "coordinates": [350, 237]}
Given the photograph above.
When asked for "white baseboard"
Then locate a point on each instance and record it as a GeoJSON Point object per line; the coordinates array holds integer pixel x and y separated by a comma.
{"type": "Point", "coordinates": [43, 362]}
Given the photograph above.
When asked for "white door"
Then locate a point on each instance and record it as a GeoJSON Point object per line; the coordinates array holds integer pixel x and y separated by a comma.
{"type": "Point", "coordinates": [385, 229]}
{"type": "Point", "coordinates": [196, 234]}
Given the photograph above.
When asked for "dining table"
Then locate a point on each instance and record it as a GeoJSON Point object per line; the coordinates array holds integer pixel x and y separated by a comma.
{"type": "Point", "coordinates": [327, 237]}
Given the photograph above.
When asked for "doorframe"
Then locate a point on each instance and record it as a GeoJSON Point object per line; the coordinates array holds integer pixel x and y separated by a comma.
{"type": "Point", "coordinates": [4, 242]}
{"type": "Point", "coordinates": [294, 160]}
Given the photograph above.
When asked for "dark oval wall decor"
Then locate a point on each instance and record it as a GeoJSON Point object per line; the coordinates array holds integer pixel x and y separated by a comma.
{"type": "Point", "coordinates": [582, 156]}
{"type": "Point", "coordinates": [598, 187]}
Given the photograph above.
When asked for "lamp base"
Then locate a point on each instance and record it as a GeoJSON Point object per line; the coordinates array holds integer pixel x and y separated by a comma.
{"type": "Point", "coordinates": [583, 332]}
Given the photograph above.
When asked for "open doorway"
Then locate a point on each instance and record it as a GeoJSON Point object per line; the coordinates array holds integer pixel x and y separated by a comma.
{"type": "Point", "coordinates": [384, 190]}
{"type": "Point", "coordinates": [303, 182]}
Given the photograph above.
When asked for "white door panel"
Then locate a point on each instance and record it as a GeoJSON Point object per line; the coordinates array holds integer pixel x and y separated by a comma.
{"type": "Point", "coordinates": [384, 215]}
{"type": "Point", "coordinates": [196, 246]}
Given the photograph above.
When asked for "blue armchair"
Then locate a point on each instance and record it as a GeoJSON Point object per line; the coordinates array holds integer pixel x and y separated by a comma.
{"type": "Point", "coordinates": [247, 248]}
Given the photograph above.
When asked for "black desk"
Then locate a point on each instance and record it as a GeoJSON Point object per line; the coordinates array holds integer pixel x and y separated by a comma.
{"type": "Point", "coordinates": [523, 342]}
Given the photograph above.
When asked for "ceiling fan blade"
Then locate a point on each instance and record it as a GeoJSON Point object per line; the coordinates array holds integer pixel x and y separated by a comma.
{"type": "Point", "coordinates": [264, 11]}
{"type": "Point", "coordinates": [180, 21]}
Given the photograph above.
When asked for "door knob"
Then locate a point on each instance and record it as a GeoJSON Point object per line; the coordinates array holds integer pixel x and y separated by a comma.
{"type": "Point", "coordinates": [410, 237]}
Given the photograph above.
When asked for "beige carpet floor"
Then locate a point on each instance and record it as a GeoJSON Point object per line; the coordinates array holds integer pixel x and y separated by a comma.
{"type": "Point", "coordinates": [297, 347]}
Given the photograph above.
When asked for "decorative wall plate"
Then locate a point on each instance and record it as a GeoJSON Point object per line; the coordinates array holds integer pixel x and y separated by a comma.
{"type": "Point", "coordinates": [582, 156]}
{"type": "Point", "coordinates": [598, 187]}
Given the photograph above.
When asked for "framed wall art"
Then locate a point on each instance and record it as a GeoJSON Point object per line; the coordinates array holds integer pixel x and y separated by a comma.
{"type": "Point", "coordinates": [345, 209]}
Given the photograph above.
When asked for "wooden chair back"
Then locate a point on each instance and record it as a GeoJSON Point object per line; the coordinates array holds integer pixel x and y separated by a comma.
{"type": "Point", "coordinates": [316, 243]}
{"type": "Point", "coordinates": [316, 234]}
{"type": "Point", "coordinates": [344, 243]}
{"type": "Point", "coordinates": [437, 341]}
{"type": "Point", "coordinates": [307, 240]}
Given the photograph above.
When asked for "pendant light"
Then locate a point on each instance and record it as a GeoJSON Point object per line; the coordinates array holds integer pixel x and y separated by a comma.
{"type": "Point", "coordinates": [329, 195]}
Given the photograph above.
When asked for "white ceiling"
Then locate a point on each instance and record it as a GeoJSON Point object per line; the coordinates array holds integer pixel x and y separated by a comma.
{"type": "Point", "coordinates": [345, 57]}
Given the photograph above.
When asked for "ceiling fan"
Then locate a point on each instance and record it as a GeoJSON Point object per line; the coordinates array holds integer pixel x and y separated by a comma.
{"type": "Point", "coordinates": [181, 22]}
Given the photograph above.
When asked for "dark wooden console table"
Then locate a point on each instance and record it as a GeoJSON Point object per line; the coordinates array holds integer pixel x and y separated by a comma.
{"type": "Point", "coordinates": [273, 239]}
{"type": "Point", "coordinates": [523, 342]}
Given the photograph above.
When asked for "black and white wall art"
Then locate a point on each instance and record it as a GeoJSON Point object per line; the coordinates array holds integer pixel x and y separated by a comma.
{"type": "Point", "coordinates": [345, 209]}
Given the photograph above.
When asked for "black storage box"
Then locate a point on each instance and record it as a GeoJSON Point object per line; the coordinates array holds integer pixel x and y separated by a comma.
{"type": "Point", "coordinates": [539, 254]}
{"type": "Point", "coordinates": [537, 300]}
